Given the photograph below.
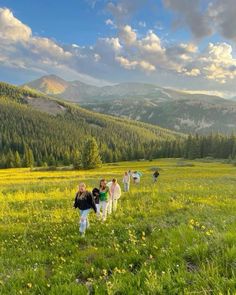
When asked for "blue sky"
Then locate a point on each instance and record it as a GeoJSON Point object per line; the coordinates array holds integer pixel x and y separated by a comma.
{"type": "Point", "coordinates": [172, 43]}
{"type": "Point", "coordinates": [80, 21]}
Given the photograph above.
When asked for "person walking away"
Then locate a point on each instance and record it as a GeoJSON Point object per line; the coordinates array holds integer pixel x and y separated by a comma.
{"type": "Point", "coordinates": [136, 177]}
{"type": "Point", "coordinates": [84, 201]}
{"type": "Point", "coordinates": [155, 176]}
{"type": "Point", "coordinates": [104, 196]}
{"type": "Point", "coordinates": [115, 192]}
{"type": "Point", "coordinates": [126, 181]}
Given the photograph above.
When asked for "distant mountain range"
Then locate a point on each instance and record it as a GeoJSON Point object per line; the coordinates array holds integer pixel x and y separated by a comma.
{"type": "Point", "coordinates": [172, 109]}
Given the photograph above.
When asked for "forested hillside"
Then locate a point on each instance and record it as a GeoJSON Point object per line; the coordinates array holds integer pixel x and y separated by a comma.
{"type": "Point", "coordinates": [38, 130]}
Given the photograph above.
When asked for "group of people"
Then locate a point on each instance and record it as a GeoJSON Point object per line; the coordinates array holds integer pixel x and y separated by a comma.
{"type": "Point", "coordinates": [134, 175]}
{"type": "Point", "coordinates": [105, 198]}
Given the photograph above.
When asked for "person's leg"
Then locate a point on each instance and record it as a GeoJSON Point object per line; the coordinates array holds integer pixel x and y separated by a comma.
{"type": "Point", "coordinates": [114, 204]}
{"type": "Point", "coordinates": [128, 186]}
{"type": "Point", "coordinates": [109, 206]}
{"type": "Point", "coordinates": [98, 206]}
{"type": "Point", "coordinates": [83, 220]}
{"type": "Point", "coordinates": [87, 221]}
{"type": "Point", "coordinates": [104, 210]}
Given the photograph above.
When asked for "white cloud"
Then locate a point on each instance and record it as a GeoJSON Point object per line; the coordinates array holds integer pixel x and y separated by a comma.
{"type": "Point", "coordinates": [190, 47]}
{"type": "Point", "coordinates": [75, 45]}
{"type": "Point", "coordinates": [127, 35]}
{"type": "Point", "coordinates": [127, 64]}
{"type": "Point", "coordinates": [133, 64]}
{"type": "Point", "coordinates": [21, 49]}
{"type": "Point", "coordinates": [142, 24]}
{"type": "Point", "coordinates": [110, 22]}
{"type": "Point", "coordinates": [126, 50]}
{"type": "Point", "coordinates": [113, 42]}
{"type": "Point", "coordinates": [147, 66]}
{"type": "Point", "coordinates": [219, 64]}
{"type": "Point", "coordinates": [193, 72]}
{"type": "Point", "coordinates": [97, 57]}
{"type": "Point", "coordinates": [11, 29]}
{"type": "Point", "coordinates": [151, 43]}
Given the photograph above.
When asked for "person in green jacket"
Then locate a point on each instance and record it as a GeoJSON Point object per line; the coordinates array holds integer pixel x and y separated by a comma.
{"type": "Point", "coordinates": [104, 196]}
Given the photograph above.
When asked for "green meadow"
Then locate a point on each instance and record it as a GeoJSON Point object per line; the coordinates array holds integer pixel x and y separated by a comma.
{"type": "Point", "coordinates": [177, 236]}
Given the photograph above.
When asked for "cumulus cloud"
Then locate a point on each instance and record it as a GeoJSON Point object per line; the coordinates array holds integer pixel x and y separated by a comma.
{"type": "Point", "coordinates": [125, 51]}
{"type": "Point", "coordinates": [151, 43]}
{"type": "Point", "coordinates": [12, 29]}
{"type": "Point", "coordinates": [218, 62]}
{"type": "Point", "coordinates": [192, 72]}
{"type": "Point", "coordinates": [21, 49]}
{"type": "Point", "coordinates": [114, 43]}
{"type": "Point", "coordinates": [127, 64]}
{"type": "Point", "coordinates": [133, 64]}
{"type": "Point", "coordinates": [127, 35]}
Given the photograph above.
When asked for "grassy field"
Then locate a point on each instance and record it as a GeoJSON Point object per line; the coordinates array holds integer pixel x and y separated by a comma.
{"type": "Point", "coordinates": [174, 237]}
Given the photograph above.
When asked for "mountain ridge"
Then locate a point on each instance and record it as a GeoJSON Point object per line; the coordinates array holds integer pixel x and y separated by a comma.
{"type": "Point", "coordinates": [55, 130]}
{"type": "Point", "coordinates": [169, 108]}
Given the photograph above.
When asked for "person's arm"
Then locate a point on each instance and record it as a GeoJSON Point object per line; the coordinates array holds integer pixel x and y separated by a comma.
{"type": "Point", "coordinates": [108, 189]}
{"type": "Point", "coordinates": [75, 202]}
{"type": "Point", "coordinates": [93, 205]}
{"type": "Point", "coordinates": [118, 190]}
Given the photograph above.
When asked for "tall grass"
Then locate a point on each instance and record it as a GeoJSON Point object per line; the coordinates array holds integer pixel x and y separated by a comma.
{"type": "Point", "coordinates": [174, 237]}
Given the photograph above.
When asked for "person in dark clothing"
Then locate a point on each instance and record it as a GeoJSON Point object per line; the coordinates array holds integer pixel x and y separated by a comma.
{"type": "Point", "coordinates": [155, 176]}
{"type": "Point", "coordinates": [95, 193]}
{"type": "Point", "coordinates": [84, 200]}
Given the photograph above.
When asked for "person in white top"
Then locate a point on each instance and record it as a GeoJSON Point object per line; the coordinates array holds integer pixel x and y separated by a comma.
{"type": "Point", "coordinates": [126, 181]}
{"type": "Point", "coordinates": [136, 177]}
{"type": "Point", "coordinates": [115, 193]}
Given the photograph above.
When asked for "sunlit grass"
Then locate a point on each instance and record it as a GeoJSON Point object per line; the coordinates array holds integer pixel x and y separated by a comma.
{"type": "Point", "coordinates": [175, 237]}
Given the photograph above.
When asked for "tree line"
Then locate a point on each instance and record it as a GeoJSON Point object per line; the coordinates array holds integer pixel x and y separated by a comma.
{"type": "Point", "coordinates": [90, 156]}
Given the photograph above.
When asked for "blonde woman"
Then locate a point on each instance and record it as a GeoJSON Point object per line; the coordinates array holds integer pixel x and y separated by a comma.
{"type": "Point", "coordinates": [84, 201]}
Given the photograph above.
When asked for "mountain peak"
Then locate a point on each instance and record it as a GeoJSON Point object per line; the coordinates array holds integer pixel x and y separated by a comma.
{"type": "Point", "coordinates": [53, 77]}
{"type": "Point", "coordinates": [49, 84]}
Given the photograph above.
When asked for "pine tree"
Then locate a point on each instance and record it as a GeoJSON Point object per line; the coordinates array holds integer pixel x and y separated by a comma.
{"type": "Point", "coordinates": [76, 158]}
{"type": "Point", "coordinates": [28, 158]}
{"type": "Point", "coordinates": [90, 156]}
{"type": "Point", "coordinates": [17, 160]}
{"type": "Point", "coordinates": [10, 160]}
